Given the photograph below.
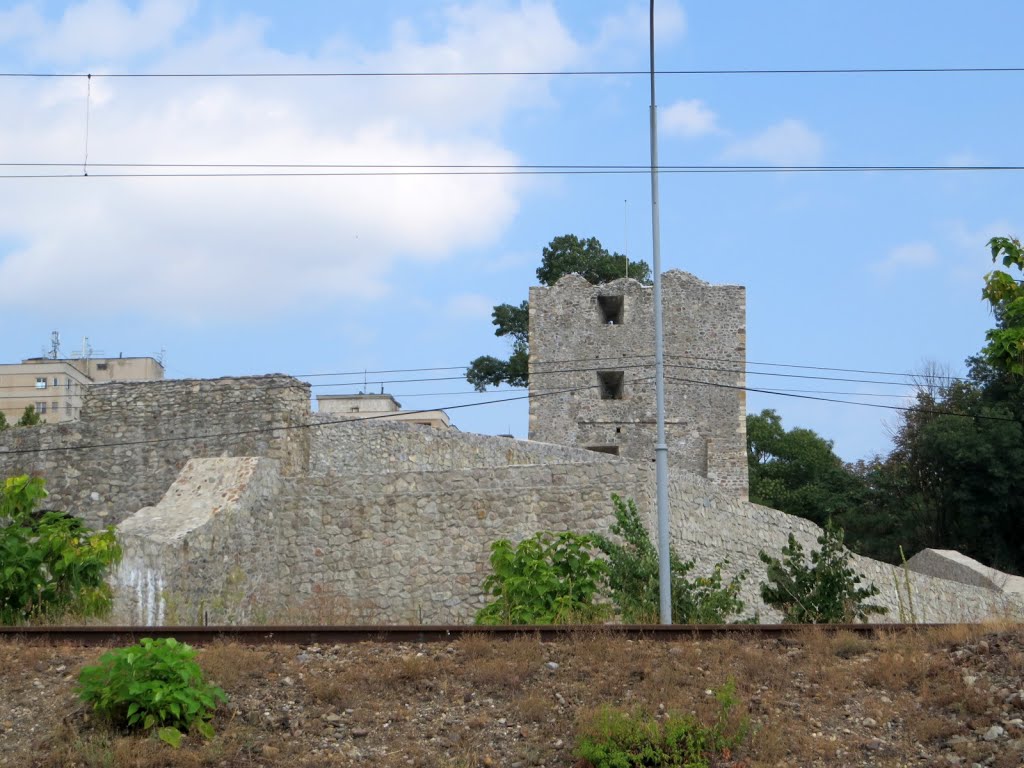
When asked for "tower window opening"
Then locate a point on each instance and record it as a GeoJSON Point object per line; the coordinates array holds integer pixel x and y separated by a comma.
{"type": "Point", "coordinates": [609, 449]}
{"type": "Point", "coordinates": [611, 309]}
{"type": "Point", "coordinates": [610, 384]}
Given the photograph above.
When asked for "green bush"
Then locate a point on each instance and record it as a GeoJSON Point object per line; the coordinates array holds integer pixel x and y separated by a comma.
{"type": "Point", "coordinates": [616, 739]}
{"type": "Point", "coordinates": [29, 418]}
{"type": "Point", "coordinates": [634, 584]}
{"type": "Point", "coordinates": [50, 565]}
{"type": "Point", "coordinates": [154, 683]}
{"type": "Point", "coordinates": [826, 591]}
{"type": "Point", "coordinates": [547, 579]}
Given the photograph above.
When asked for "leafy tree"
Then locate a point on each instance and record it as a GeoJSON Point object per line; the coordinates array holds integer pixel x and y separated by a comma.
{"type": "Point", "coordinates": [960, 452]}
{"type": "Point", "coordinates": [547, 579]}
{"type": "Point", "coordinates": [562, 256]}
{"type": "Point", "coordinates": [50, 564]}
{"type": "Point", "coordinates": [29, 418]}
{"type": "Point", "coordinates": [1005, 348]}
{"type": "Point", "coordinates": [3, 422]}
{"type": "Point", "coordinates": [633, 577]}
{"type": "Point", "coordinates": [826, 591]}
{"type": "Point", "coordinates": [796, 471]}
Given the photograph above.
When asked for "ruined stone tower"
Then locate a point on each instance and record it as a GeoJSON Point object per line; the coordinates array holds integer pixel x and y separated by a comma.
{"type": "Point", "coordinates": [592, 371]}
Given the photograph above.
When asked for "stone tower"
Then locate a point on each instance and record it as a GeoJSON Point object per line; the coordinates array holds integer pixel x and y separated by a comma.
{"type": "Point", "coordinates": [592, 372]}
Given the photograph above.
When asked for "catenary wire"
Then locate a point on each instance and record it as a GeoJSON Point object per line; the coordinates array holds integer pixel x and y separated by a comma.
{"type": "Point", "coordinates": [528, 73]}
{"type": "Point", "coordinates": [563, 171]}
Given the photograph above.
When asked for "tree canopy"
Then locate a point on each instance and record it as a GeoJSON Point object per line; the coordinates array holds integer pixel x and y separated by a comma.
{"type": "Point", "coordinates": [1005, 348]}
{"type": "Point", "coordinates": [564, 255]}
{"type": "Point", "coordinates": [953, 478]}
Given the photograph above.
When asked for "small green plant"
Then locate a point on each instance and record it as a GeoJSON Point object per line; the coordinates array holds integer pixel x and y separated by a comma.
{"type": "Point", "coordinates": [633, 577]}
{"type": "Point", "coordinates": [29, 418]}
{"type": "Point", "coordinates": [616, 739]}
{"type": "Point", "coordinates": [548, 578]}
{"type": "Point", "coordinates": [908, 615]}
{"type": "Point", "coordinates": [52, 564]}
{"type": "Point", "coordinates": [153, 684]}
{"type": "Point", "coordinates": [826, 591]}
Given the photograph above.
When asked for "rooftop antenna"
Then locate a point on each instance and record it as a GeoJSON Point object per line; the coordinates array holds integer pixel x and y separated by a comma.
{"type": "Point", "coordinates": [55, 345]}
{"type": "Point", "coordinates": [86, 349]}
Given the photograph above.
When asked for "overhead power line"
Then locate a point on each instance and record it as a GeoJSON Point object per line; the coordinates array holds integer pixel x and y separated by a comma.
{"type": "Point", "coordinates": [482, 170]}
{"type": "Point", "coordinates": [526, 73]}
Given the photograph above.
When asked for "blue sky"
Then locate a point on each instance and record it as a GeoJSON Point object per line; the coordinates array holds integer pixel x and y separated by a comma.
{"type": "Point", "coordinates": [230, 276]}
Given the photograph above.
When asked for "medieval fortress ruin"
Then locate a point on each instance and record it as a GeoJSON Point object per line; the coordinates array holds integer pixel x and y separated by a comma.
{"type": "Point", "coordinates": [235, 503]}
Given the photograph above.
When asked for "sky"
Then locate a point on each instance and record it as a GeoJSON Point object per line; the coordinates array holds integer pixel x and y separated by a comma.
{"type": "Point", "coordinates": [338, 275]}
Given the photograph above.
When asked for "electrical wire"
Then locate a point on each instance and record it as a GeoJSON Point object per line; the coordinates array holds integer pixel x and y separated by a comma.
{"type": "Point", "coordinates": [525, 73]}
{"type": "Point", "coordinates": [525, 171]}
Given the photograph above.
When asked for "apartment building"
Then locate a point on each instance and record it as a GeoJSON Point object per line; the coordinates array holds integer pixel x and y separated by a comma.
{"type": "Point", "coordinates": [56, 387]}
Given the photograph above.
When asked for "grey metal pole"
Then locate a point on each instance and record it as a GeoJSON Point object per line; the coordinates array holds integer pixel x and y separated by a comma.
{"type": "Point", "coordinates": [661, 447]}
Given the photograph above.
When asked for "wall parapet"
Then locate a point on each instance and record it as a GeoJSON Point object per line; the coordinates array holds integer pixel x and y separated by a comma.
{"type": "Point", "coordinates": [135, 437]}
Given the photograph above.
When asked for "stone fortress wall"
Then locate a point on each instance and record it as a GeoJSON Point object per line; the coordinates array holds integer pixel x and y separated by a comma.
{"type": "Point", "coordinates": [133, 439]}
{"type": "Point", "coordinates": [239, 505]}
{"type": "Point", "coordinates": [592, 371]}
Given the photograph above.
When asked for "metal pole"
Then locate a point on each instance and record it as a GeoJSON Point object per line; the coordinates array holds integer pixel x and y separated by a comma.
{"type": "Point", "coordinates": [661, 447]}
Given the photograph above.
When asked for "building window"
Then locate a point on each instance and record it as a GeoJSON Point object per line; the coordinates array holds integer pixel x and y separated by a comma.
{"type": "Point", "coordinates": [67, 408]}
{"type": "Point", "coordinates": [611, 309]}
{"type": "Point", "coordinates": [610, 384]}
{"type": "Point", "coordinates": [55, 406]}
{"type": "Point", "coordinates": [55, 381]}
{"type": "Point", "coordinates": [609, 449]}
{"type": "Point", "coordinates": [101, 366]}
{"type": "Point", "coordinates": [41, 408]}
{"type": "Point", "coordinates": [40, 382]}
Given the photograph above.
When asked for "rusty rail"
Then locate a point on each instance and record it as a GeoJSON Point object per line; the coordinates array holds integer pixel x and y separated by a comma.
{"type": "Point", "coordinates": [328, 635]}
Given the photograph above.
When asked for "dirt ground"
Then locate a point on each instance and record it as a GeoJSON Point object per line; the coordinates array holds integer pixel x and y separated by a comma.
{"type": "Point", "coordinates": [944, 697]}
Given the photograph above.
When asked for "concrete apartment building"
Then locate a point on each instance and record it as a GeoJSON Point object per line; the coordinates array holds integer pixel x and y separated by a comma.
{"type": "Point", "coordinates": [383, 407]}
{"type": "Point", "coordinates": [56, 387]}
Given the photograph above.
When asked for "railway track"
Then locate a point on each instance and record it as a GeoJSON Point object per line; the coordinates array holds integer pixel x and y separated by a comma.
{"type": "Point", "coordinates": [328, 635]}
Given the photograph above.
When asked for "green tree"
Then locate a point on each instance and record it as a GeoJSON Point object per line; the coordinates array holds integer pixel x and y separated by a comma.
{"type": "Point", "coordinates": [29, 418]}
{"type": "Point", "coordinates": [797, 472]}
{"type": "Point", "coordinates": [633, 577]}
{"type": "Point", "coordinates": [562, 256]}
{"type": "Point", "coordinates": [960, 450]}
{"type": "Point", "coordinates": [824, 591]}
{"type": "Point", "coordinates": [51, 564]}
{"type": "Point", "coordinates": [3, 422]}
{"type": "Point", "coordinates": [1005, 348]}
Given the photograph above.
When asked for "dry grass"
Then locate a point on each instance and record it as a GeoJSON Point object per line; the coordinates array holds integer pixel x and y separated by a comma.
{"type": "Point", "coordinates": [811, 699]}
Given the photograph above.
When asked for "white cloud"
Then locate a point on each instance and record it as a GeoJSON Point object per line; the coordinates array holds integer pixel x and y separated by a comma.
{"type": "Point", "coordinates": [631, 27]}
{"type": "Point", "coordinates": [101, 29]}
{"type": "Point", "coordinates": [688, 118]}
{"type": "Point", "coordinates": [911, 256]}
{"type": "Point", "coordinates": [470, 305]}
{"type": "Point", "coordinates": [241, 247]}
{"type": "Point", "coordinates": [789, 142]}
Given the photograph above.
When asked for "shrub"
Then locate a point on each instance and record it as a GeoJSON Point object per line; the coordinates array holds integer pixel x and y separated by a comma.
{"type": "Point", "coordinates": [616, 739]}
{"type": "Point", "coordinates": [547, 579]}
{"type": "Point", "coordinates": [29, 418]}
{"type": "Point", "coordinates": [634, 584]}
{"type": "Point", "coordinates": [825, 591]}
{"type": "Point", "coordinates": [154, 683]}
{"type": "Point", "coordinates": [52, 564]}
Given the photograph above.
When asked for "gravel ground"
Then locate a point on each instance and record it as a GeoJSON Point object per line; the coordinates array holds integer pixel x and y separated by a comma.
{"type": "Point", "coordinates": [945, 697]}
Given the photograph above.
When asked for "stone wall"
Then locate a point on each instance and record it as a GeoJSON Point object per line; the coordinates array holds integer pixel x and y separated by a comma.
{"type": "Point", "coordinates": [385, 446]}
{"type": "Point", "coordinates": [134, 438]}
{"type": "Point", "coordinates": [575, 341]}
{"type": "Point", "coordinates": [413, 546]}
